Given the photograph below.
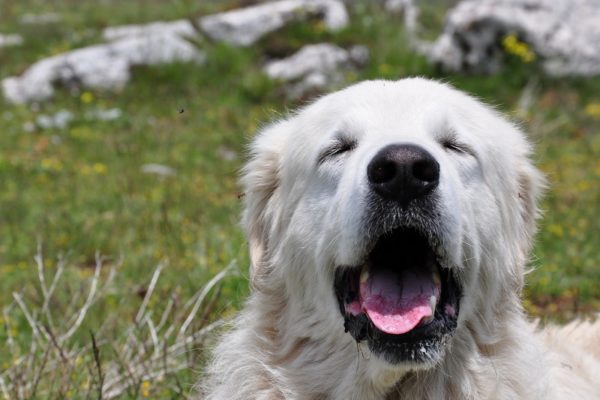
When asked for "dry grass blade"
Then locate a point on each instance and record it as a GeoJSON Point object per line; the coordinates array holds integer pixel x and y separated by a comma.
{"type": "Point", "coordinates": [202, 295]}
{"type": "Point", "coordinates": [142, 310]}
{"type": "Point", "coordinates": [84, 309]}
{"type": "Point", "coordinates": [56, 362]}
{"type": "Point", "coordinates": [30, 319]}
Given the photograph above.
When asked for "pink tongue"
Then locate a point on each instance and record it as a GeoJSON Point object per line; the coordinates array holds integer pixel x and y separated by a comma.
{"type": "Point", "coordinates": [396, 303]}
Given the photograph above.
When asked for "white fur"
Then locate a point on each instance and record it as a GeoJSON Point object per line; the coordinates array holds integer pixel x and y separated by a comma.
{"type": "Point", "coordinates": [304, 219]}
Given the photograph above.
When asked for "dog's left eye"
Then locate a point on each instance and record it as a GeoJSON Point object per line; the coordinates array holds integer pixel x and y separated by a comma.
{"type": "Point", "coordinates": [451, 144]}
{"type": "Point", "coordinates": [340, 146]}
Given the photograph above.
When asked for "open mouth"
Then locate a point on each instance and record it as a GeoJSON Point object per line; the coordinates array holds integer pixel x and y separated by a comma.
{"type": "Point", "coordinates": [403, 300]}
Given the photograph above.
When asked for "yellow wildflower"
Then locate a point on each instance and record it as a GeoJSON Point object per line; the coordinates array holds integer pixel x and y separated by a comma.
{"type": "Point", "coordinates": [52, 164]}
{"type": "Point", "coordinates": [146, 389]}
{"type": "Point", "coordinates": [582, 186]}
{"type": "Point", "coordinates": [100, 168]}
{"type": "Point", "coordinates": [514, 46]}
{"type": "Point", "coordinates": [86, 97]}
{"type": "Point", "coordinates": [592, 110]}
{"type": "Point", "coordinates": [556, 229]}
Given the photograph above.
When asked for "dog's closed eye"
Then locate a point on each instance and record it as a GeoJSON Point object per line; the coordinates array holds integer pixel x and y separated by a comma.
{"type": "Point", "coordinates": [451, 143]}
{"type": "Point", "coordinates": [338, 146]}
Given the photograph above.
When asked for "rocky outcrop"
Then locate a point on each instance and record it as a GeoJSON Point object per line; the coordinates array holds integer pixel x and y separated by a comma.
{"type": "Point", "coordinates": [104, 66]}
{"type": "Point", "coordinates": [245, 26]}
{"type": "Point", "coordinates": [10, 39]}
{"type": "Point", "coordinates": [562, 35]}
{"type": "Point", "coordinates": [107, 66]}
{"type": "Point", "coordinates": [315, 67]}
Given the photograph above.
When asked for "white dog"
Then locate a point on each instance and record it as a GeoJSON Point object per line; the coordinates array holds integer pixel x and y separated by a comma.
{"type": "Point", "coordinates": [389, 226]}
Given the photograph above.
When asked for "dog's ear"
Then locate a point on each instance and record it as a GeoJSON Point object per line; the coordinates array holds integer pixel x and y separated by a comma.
{"type": "Point", "coordinates": [531, 185]}
{"type": "Point", "coordinates": [260, 182]}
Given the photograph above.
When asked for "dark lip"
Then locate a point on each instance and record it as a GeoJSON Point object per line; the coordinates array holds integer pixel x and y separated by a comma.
{"type": "Point", "coordinates": [408, 346]}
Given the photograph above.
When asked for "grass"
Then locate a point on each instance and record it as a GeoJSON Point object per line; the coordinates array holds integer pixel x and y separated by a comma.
{"type": "Point", "coordinates": [80, 191]}
{"type": "Point", "coordinates": [161, 346]}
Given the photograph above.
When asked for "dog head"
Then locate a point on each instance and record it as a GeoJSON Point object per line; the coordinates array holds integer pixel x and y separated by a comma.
{"type": "Point", "coordinates": [393, 213]}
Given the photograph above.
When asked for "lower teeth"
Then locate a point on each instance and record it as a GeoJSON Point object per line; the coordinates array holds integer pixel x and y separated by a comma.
{"type": "Point", "coordinates": [432, 304]}
{"type": "Point", "coordinates": [364, 275]}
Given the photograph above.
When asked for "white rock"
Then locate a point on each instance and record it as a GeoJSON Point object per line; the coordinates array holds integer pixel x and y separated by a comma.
{"type": "Point", "coordinates": [315, 82]}
{"type": "Point", "coordinates": [563, 34]}
{"type": "Point", "coordinates": [310, 59]}
{"type": "Point", "coordinates": [29, 127]}
{"type": "Point", "coordinates": [181, 27]}
{"type": "Point", "coordinates": [245, 26]}
{"type": "Point", "coordinates": [59, 120]}
{"type": "Point", "coordinates": [315, 58]}
{"type": "Point", "coordinates": [397, 5]}
{"type": "Point", "coordinates": [315, 67]}
{"type": "Point", "coordinates": [158, 169]}
{"type": "Point", "coordinates": [37, 19]}
{"type": "Point", "coordinates": [10, 40]}
{"type": "Point", "coordinates": [359, 55]}
{"type": "Point", "coordinates": [103, 66]}
{"type": "Point", "coordinates": [110, 114]}
{"type": "Point", "coordinates": [107, 66]}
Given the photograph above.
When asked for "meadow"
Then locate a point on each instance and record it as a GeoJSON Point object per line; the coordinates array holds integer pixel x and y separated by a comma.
{"type": "Point", "coordinates": [135, 252]}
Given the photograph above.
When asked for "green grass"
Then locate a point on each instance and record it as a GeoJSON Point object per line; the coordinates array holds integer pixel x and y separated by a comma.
{"type": "Point", "coordinates": [80, 190]}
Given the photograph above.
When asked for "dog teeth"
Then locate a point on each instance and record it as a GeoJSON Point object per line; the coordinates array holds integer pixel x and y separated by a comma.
{"type": "Point", "coordinates": [364, 275]}
{"type": "Point", "coordinates": [432, 304]}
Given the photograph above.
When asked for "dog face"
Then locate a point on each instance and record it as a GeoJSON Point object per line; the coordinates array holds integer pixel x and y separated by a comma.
{"type": "Point", "coordinates": [392, 213]}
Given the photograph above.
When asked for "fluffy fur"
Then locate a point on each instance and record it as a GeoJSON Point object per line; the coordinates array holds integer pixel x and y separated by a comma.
{"type": "Point", "coordinates": [304, 218]}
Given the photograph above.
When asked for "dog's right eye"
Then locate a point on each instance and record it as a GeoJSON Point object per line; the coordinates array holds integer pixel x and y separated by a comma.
{"type": "Point", "coordinates": [450, 143]}
{"type": "Point", "coordinates": [338, 147]}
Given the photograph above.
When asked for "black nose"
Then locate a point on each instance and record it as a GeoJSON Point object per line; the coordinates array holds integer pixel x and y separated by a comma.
{"type": "Point", "coordinates": [403, 172]}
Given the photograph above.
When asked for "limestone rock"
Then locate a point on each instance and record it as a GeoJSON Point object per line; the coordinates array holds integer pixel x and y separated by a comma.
{"type": "Point", "coordinates": [103, 66]}
{"type": "Point", "coordinates": [40, 19]}
{"type": "Point", "coordinates": [10, 40]}
{"type": "Point", "coordinates": [245, 26]}
{"type": "Point", "coordinates": [181, 27]}
{"type": "Point", "coordinates": [315, 67]}
{"type": "Point", "coordinates": [60, 120]}
{"type": "Point", "coordinates": [107, 66]}
{"type": "Point", "coordinates": [564, 35]}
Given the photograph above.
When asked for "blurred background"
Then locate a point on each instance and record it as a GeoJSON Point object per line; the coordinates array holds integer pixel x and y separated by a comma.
{"type": "Point", "coordinates": [121, 141]}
